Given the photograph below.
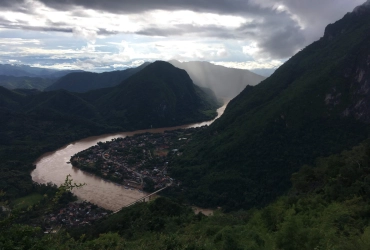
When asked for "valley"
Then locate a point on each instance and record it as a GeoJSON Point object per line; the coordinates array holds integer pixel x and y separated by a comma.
{"type": "Point", "coordinates": [53, 167]}
{"type": "Point", "coordinates": [285, 167]}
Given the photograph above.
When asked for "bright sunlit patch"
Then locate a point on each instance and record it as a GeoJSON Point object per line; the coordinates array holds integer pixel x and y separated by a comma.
{"type": "Point", "coordinates": [93, 26]}
{"type": "Point", "coordinates": [18, 41]}
{"type": "Point", "coordinates": [281, 8]}
{"type": "Point", "coordinates": [13, 61]}
{"type": "Point", "coordinates": [169, 18]}
{"type": "Point", "coordinates": [251, 49]}
{"type": "Point", "coordinates": [14, 17]}
{"type": "Point", "coordinates": [88, 24]}
{"type": "Point", "coordinates": [267, 64]}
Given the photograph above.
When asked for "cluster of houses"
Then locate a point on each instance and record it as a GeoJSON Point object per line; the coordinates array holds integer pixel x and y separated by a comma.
{"type": "Point", "coordinates": [136, 161]}
{"type": "Point", "coordinates": [74, 214]}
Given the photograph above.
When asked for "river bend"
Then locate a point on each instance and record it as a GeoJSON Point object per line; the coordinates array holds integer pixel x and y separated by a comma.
{"type": "Point", "coordinates": [53, 167]}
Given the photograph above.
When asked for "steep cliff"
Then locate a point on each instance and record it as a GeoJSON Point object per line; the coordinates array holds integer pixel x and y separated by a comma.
{"type": "Point", "coordinates": [314, 105]}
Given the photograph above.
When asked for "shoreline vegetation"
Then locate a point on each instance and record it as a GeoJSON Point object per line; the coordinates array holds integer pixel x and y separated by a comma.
{"type": "Point", "coordinates": [154, 131]}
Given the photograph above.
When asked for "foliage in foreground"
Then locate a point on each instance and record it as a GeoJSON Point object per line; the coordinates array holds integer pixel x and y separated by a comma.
{"type": "Point", "coordinates": [327, 208]}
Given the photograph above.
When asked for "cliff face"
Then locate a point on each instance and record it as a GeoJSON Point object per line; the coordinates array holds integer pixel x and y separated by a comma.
{"type": "Point", "coordinates": [316, 104]}
{"type": "Point", "coordinates": [355, 18]}
{"type": "Point", "coordinates": [360, 87]}
{"type": "Point", "coordinates": [356, 68]}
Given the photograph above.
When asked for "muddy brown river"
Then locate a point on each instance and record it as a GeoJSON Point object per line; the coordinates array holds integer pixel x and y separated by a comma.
{"type": "Point", "coordinates": [53, 167]}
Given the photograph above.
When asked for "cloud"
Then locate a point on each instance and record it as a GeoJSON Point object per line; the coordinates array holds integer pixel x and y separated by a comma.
{"type": "Point", "coordinates": [251, 65]}
{"type": "Point", "coordinates": [237, 32]}
{"type": "Point", "coordinates": [312, 15]}
{"type": "Point", "coordinates": [282, 43]}
{"type": "Point", "coordinates": [278, 28]}
{"type": "Point", "coordinates": [18, 41]}
{"type": "Point", "coordinates": [114, 6]}
{"type": "Point", "coordinates": [85, 33]}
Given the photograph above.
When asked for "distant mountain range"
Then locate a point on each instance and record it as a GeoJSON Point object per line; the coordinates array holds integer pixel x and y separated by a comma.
{"type": "Point", "coordinates": [27, 77]}
{"type": "Point", "coordinates": [25, 70]}
{"type": "Point", "coordinates": [225, 82]}
{"type": "Point", "coordinates": [33, 122]}
{"type": "Point", "coordinates": [85, 81]}
{"type": "Point", "coordinates": [25, 82]}
{"type": "Point", "coordinates": [158, 95]}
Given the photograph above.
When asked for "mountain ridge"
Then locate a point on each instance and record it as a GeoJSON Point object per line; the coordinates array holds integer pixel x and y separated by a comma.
{"type": "Point", "coordinates": [160, 95]}
{"type": "Point", "coordinates": [81, 82]}
{"type": "Point", "coordinates": [20, 70]}
{"type": "Point", "coordinates": [315, 104]}
{"type": "Point", "coordinates": [25, 82]}
{"type": "Point", "coordinates": [225, 82]}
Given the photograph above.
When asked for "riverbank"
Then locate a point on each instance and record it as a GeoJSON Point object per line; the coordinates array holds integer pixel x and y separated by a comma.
{"type": "Point", "coordinates": [140, 161]}
{"type": "Point", "coordinates": [52, 167]}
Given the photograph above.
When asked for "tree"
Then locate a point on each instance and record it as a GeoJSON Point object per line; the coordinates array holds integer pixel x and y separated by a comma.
{"type": "Point", "coordinates": [66, 187]}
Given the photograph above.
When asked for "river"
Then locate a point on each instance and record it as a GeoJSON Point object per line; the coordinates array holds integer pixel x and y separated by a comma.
{"type": "Point", "coordinates": [53, 167]}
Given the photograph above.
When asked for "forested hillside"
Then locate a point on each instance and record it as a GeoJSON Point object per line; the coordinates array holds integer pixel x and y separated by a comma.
{"type": "Point", "coordinates": [12, 82]}
{"type": "Point", "coordinates": [34, 123]}
{"type": "Point", "coordinates": [85, 81]}
{"type": "Point", "coordinates": [316, 104]}
{"type": "Point", "coordinates": [19, 70]}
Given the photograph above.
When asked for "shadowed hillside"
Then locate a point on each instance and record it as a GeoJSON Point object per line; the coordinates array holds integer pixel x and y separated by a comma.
{"type": "Point", "coordinates": [316, 104]}
{"type": "Point", "coordinates": [32, 123]}
{"type": "Point", "coordinates": [85, 81]}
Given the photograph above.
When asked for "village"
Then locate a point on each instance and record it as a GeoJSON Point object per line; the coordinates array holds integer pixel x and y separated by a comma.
{"type": "Point", "coordinates": [74, 214]}
{"type": "Point", "coordinates": [136, 162]}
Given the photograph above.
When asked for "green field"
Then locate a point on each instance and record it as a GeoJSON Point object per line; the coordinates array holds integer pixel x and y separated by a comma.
{"type": "Point", "coordinates": [27, 201]}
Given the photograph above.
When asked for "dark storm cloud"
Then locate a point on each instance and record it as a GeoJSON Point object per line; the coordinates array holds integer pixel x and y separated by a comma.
{"type": "Point", "coordinates": [118, 6]}
{"type": "Point", "coordinates": [278, 36]}
{"type": "Point", "coordinates": [15, 5]}
{"type": "Point", "coordinates": [23, 25]}
{"type": "Point", "coordinates": [283, 42]}
{"type": "Point", "coordinates": [178, 30]}
{"type": "Point", "coordinates": [9, 3]}
{"type": "Point", "coordinates": [278, 33]}
{"type": "Point", "coordinates": [52, 26]}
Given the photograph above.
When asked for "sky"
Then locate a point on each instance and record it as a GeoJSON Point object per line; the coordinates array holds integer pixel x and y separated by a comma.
{"type": "Point", "coordinates": [104, 35]}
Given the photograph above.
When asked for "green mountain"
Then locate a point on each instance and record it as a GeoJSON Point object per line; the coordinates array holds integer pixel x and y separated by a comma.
{"type": "Point", "coordinates": [26, 77]}
{"type": "Point", "coordinates": [225, 82]}
{"type": "Point", "coordinates": [63, 102]}
{"type": "Point", "coordinates": [25, 82]}
{"type": "Point", "coordinates": [9, 99]}
{"type": "Point", "coordinates": [20, 70]}
{"type": "Point", "coordinates": [159, 95]}
{"type": "Point", "coordinates": [316, 104]}
{"type": "Point", "coordinates": [85, 81]}
{"type": "Point", "coordinates": [32, 123]}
